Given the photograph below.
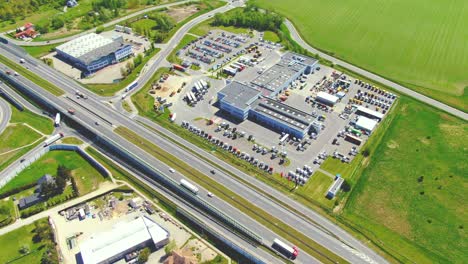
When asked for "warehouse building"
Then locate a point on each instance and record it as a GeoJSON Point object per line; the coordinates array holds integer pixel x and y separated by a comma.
{"type": "Point", "coordinates": [281, 117]}
{"type": "Point", "coordinates": [125, 237]}
{"type": "Point", "coordinates": [93, 52]}
{"type": "Point", "coordinates": [335, 187]}
{"type": "Point", "coordinates": [237, 98]}
{"type": "Point", "coordinates": [363, 111]}
{"type": "Point", "coordinates": [365, 124]}
{"type": "Point", "coordinates": [278, 77]}
{"type": "Point", "coordinates": [326, 98]}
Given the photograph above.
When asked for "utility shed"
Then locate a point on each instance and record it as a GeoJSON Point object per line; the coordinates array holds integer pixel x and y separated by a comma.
{"type": "Point", "coordinates": [335, 187]}
{"type": "Point", "coordinates": [326, 98]}
{"type": "Point", "coordinates": [366, 124]}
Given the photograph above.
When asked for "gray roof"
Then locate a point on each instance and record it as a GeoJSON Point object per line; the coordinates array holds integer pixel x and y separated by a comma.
{"type": "Point", "coordinates": [284, 113]}
{"type": "Point", "coordinates": [29, 200]}
{"type": "Point", "coordinates": [100, 52]}
{"type": "Point", "coordinates": [46, 178]}
{"type": "Point", "coordinates": [277, 75]}
{"type": "Point", "coordinates": [239, 94]}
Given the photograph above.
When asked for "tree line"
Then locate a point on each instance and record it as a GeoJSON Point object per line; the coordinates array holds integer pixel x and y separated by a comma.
{"type": "Point", "coordinates": [249, 17]}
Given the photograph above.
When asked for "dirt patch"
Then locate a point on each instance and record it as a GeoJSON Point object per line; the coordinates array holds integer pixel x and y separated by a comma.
{"type": "Point", "coordinates": [171, 88]}
{"type": "Point", "coordinates": [425, 141]}
{"type": "Point", "coordinates": [181, 13]}
{"type": "Point", "coordinates": [49, 161]}
{"type": "Point", "coordinates": [454, 134]}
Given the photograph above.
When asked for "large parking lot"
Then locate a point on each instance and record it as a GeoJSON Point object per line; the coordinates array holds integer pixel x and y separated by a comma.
{"type": "Point", "coordinates": [341, 136]}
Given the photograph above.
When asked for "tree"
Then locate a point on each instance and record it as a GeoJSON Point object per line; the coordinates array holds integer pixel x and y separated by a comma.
{"type": "Point", "coordinates": [48, 189]}
{"type": "Point", "coordinates": [144, 255]}
{"type": "Point", "coordinates": [123, 72]}
{"type": "Point", "coordinates": [63, 172]}
{"type": "Point", "coordinates": [24, 249]}
{"type": "Point", "coordinates": [57, 22]}
{"type": "Point", "coordinates": [99, 29]}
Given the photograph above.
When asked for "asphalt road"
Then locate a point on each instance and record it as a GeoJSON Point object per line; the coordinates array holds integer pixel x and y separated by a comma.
{"type": "Point", "coordinates": [5, 114]}
{"type": "Point", "coordinates": [113, 22]}
{"type": "Point", "coordinates": [267, 205]}
{"type": "Point", "coordinates": [296, 36]}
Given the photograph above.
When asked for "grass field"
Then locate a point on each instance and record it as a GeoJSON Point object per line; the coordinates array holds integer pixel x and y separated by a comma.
{"type": "Point", "coordinates": [412, 195]}
{"type": "Point", "coordinates": [204, 27]}
{"type": "Point", "coordinates": [16, 136]}
{"type": "Point", "coordinates": [141, 99]}
{"type": "Point", "coordinates": [12, 242]}
{"type": "Point", "coordinates": [41, 123]}
{"type": "Point", "coordinates": [86, 176]}
{"type": "Point", "coordinates": [72, 141]}
{"type": "Point", "coordinates": [7, 211]}
{"type": "Point", "coordinates": [392, 38]}
{"type": "Point", "coordinates": [271, 36]}
{"type": "Point", "coordinates": [145, 24]}
{"type": "Point", "coordinates": [39, 51]}
{"type": "Point", "coordinates": [173, 58]}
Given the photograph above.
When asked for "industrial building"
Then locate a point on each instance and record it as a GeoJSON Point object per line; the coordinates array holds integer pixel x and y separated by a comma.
{"type": "Point", "coordinates": [237, 98]}
{"type": "Point", "coordinates": [125, 237]}
{"type": "Point", "coordinates": [365, 124]}
{"type": "Point", "coordinates": [363, 111]}
{"type": "Point", "coordinates": [335, 187]}
{"type": "Point", "coordinates": [278, 77]}
{"type": "Point", "coordinates": [93, 52]}
{"type": "Point", "coordinates": [326, 98]}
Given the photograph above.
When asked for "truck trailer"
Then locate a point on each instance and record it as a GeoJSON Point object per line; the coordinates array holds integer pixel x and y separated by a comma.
{"type": "Point", "coordinates": [189, 186]}
{"type": "Point", "coordinates": [283, 248]}
{"type": "Point", "coordinates": [57, 120]}
{"type": "Point", "coordinates": [53, 139]}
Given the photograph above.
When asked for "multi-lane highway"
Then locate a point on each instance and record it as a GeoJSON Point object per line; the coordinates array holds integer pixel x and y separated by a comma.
{"type": "Point", "coordinates": [5, 114]}
{"type": "Point", "coordinates": [297, 37]}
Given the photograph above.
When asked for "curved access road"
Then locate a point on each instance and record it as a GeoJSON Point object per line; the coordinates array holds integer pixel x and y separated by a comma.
{"type": "Point", "coordinates": [297, 37]}
{"type": "Point", "coordinates": [110, 23]}
{"type": "Point", "coordinates": [5, 114]}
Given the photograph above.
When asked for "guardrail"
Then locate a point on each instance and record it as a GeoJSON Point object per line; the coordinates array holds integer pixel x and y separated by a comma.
{"type": "Point", "coordinates": [134, 159]}
{"type": "Point", "coordinates": [12, 100]}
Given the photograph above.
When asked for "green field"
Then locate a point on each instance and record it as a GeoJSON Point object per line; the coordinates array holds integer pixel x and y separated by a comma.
{"type": "Point", "coordinates": [204, 27]}
{"type": "Point", "coordinates": [12, 242]}
{"type": "Point", "coordinates": [41, 123]}
{"type": "Point", "coordinates": [7, 212]}
{"type": "Point", "coordinates": [412, 195]}
{"type": "Point", "coordinates": [39, 51]}
{"type": "Point", "coordinates": [72, 141]}
{"type": "Point", "coordinates": [271, 36]}
{"type": "Point", "coordinates": [421, 44]}
{"type": "Point", "coordinates": [16, 136]}
{"type": "Point", "coordinates": [145, 24]}
{"type": "Point", "coordinates": [86, 176]}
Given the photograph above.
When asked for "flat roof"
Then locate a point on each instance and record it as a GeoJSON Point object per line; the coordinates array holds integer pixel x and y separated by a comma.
{"type": "Point", "coordinates": [336, 185]}
{"type": "Point", "coordinates": [370, 112]}
{"type": "Point", "coordinates": [284, 113]}
{"type": "Point", "coordinates": [122, 236]}
{"type": "Point", "coordinates": [290, 64]}
{"type": "Point", "coordinates": [239, 94]}
{"type": "Point", "coordinates": [366, 123]}
{"type": "Point", "coordinates": [327, 97]}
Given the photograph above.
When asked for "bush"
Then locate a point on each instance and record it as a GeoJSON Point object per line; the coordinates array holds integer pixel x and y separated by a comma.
{"type": "Point", "coordinates": [144, 255]}
{"type": "Point", "coordinates": [99, 29]}
{"type": "Point", "coordinates": [17, 190]}
{"type": "Point", "coordinates": [57, 22]}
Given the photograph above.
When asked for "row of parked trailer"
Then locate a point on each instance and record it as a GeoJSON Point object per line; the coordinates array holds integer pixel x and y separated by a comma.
{"type": "Point", "coordinates": [200, 57]}
{"type": "Point", "coordinates": [230, 148]}
{"type": "Point", "coordinates": [234, 68]}
{"type": "Point", "coordinates": [208, 52]}
{"type": "Point", "coordinates": [228, 42]}
{"type": "Point", "coordinates": [301, 175]}
{"type": "Point", "coordinates": [217, 46]}
{"type": "Point", "coordinates": [199, 89]}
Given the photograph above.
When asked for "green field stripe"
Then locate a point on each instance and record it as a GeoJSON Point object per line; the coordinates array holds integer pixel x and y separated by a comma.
{"type": "Point", "coordinates": [305, 243]}
{"type": "Point", "coordinates": [32, 77]}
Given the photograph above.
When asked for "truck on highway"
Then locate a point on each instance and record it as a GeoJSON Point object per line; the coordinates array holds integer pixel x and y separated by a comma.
{"type": "Point", "coordinates": [53, 139]}
{"type": "Point", "coordinates": [57, 120]}
{"type": "Point", "coordinates": [189, 186]}
{"type": "Point", "coordinates": [131, 86]}
{"type": "Point", "coordinates": [172, 117]}
{"type": "Point", "coordinates": [283, 248]}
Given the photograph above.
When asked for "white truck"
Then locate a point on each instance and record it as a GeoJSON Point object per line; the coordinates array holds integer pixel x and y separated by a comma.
{"type": "Point", "coordinates": [52, 139]}
{"type": "Point", "coordinates": [189, 186]}
{"type": "Point", "coordinates": [57, 120]}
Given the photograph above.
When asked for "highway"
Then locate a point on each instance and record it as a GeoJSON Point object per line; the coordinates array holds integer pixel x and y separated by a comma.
{"type": "Point", "coordinates": [88, 119]}
{"type": "Point", "coordinates": [110, 23]}
{"type": "Point", "coordinates": [297, 37]}
{"type": "Point", "coordinates": [276, 210]}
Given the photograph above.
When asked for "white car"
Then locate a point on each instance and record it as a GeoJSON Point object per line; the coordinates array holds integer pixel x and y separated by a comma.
{"type": "Point", "coordinates": [171, 170]}
{"type": "Point", "coordinates": [210, 194]}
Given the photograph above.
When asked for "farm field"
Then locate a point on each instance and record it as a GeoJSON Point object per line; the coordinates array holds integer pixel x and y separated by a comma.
{"type": "Point", "coordinates": [86, 176]}
{"type": "Point", "coordinates": [411, 196]}
{"type": "Point", "coordinates": [392, 38]}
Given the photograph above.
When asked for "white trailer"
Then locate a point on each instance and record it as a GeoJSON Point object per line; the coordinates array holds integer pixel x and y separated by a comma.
{"type": "Point", "coordinates": [283, 248]}
{"type": "Point", "coordinates": [57, 119]}
{"type": "Point", "coordinates": [284, 138]}
{"type": "Point", "coordinates": [189, 186]}
{"type": "Point", "coordinates": [52, 139]}
{"type": "Point", "coordinates": [204, 84]}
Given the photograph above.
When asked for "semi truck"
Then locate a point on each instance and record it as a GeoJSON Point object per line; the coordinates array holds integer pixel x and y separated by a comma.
{"type": "Point", "coordinates": [189, 186]}
{"type": "Point", "coordinates": [57, 120]}
{"type": "Point", "coordinates": [172, 117]}
{"type": "Point", "coordinates": [53, 139]}
{"type": "Point", "coordinates": [131, 86]}
{"type": "Point", "coordinates": [283, 248]}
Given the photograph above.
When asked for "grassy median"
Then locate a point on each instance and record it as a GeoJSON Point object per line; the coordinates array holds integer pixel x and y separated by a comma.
{"type": "Point", "coordinates": [305, 243]}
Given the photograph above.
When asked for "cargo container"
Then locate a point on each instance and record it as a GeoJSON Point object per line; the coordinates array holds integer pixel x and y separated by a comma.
{"type": "Point", "coordinates": [189, 186]}
{"type": "Point", "coordinates": [178, 67]}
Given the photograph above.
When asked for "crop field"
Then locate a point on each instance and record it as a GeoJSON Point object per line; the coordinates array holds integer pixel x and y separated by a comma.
{"type": "Point", "coordinates": [412, 196]}
{"type": "Point", "coordinates": [421, 44]}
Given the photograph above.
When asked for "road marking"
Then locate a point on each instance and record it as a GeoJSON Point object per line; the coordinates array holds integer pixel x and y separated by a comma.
{"type": "Point", "coordinates": [358, 254]}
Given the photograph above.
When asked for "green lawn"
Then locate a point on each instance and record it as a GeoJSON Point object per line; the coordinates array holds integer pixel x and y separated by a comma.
{"type": "Point", "coordinates": [421, 44]}
{"type": "Point", "coordinates": [111, 89]}
{"type": "Point", "coordinates": [335, 166]}
{"type": "Point", "coordinates": [271, 36]}
{"type": "Point", "coordinates": [417, 219]}
{"type": "Point", "coordinates": [32, 76]}
{"type": "Point", "coordinates": [41, 123]}
{"type": "Point", "coordinates": [72, 141]}
{"type": "Point", "coordinates": [16, 136]}
{"type": "Point", "coordinates": [316, 188]}
{"type": "Point", "coordinates": [184, 41]}
{"type": "Point", "coordinates": [205, 26]}
{"type": "Point", "coordinates": [86, 176]}
{"type": "Point", "coordinates": [40, 51]}
{"type": "Point", "coordinates": [7, 211]}
{"type": "Point", "coordinates": [12, 242]}
{"type": "Point", "coordinates": [145, 24]}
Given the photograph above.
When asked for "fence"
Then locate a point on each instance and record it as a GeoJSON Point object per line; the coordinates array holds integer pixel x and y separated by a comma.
{"type": "Point", "coordinates": [41, 151]}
